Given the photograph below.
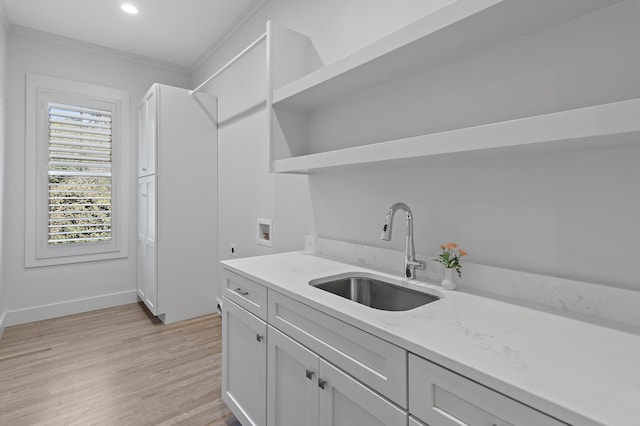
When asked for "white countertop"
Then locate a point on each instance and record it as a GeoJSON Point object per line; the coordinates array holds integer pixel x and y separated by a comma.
{"type": "Point", "coordinates": [578, 372]}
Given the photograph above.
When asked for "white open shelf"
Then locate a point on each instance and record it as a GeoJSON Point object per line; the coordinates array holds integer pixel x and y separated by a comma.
{"type": "Point", "coordinates": [460, 29]}
{"type": "Point", "coordinates": [600, 125]}
{"type": "Point", "coordinates": [301, 89]}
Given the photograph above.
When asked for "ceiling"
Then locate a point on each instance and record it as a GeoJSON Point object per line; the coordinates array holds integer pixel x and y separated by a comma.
{"type": "Point", "coordinates": [177, 32]}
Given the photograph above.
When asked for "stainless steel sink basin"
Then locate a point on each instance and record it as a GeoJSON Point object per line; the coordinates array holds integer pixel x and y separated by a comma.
{"type": "Point", "coordinates": [374, 292]}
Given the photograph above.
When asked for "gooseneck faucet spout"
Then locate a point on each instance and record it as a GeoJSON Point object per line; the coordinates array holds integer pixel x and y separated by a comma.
{"type": "Point", "coordinates": [410, 261]}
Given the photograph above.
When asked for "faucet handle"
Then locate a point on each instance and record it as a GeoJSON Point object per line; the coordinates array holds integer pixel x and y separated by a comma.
{"type": "Point", "coordinates": [412, 265]}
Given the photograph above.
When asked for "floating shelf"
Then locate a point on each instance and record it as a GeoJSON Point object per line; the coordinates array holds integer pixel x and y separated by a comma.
{"type": "Point", "coordinates": [457, 30]}
{"type": "Point", "coordinates": [600, 125]}
{"type": "Point", "coordinates": [301, 89]}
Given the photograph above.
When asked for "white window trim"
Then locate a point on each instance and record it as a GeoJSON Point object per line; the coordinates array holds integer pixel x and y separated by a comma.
{"type": "Point", "coordinates": [35, 236]}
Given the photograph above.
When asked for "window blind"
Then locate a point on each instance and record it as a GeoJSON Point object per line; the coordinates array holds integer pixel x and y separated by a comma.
{"type": "Point", "coordinates": [79, 174]}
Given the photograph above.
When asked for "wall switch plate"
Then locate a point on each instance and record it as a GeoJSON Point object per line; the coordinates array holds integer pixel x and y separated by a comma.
{"type": "Point", "coordinates": [232, 250]}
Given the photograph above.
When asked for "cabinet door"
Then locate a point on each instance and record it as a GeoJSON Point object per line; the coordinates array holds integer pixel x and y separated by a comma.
{"type": "Point", "coordinates": [143, 199]}
{"type": "Point", "coordinates": [345, 401]}
{"type": "Point", "coordinates": [147, 133]}
{"type": "Point", "coordinates": [292, 377]}
{"type": "Point", "coordinates": [147, 257]}
{"type": "Point", "coordinates": [415, 422]}
{"type": "Point", "coordinates": [244, 364]}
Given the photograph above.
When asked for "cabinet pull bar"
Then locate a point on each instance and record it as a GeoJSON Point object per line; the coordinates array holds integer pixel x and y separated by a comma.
{"type": "Point", "coordinates": [241, 292]}
{"type": "Point", "coordinates": [321, 383]}
{"type": "Point", "coordinates": [309, 374]}
{"type": "Point", "coordinates": [259, 338]}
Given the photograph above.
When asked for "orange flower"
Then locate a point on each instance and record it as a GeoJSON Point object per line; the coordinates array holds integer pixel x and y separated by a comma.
{"type": "Point", "coordinates": [451, 246]}
{"type": "Point", "coordinates": [462, 252]}
{"type": "Point", "coordinates": [442, 246]}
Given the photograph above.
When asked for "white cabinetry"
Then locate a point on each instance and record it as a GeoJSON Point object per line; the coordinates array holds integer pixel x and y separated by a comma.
{"type": "Point", "coordinates": [177, 223]}
{"type": "Point", "coordinates": [301, 385]}
{"type": "Point", "coordinates": [305, 389]}
{"type": "Point", "coordinates": [147, 266]}
{"type": "Point", "coordinates": [377, 363]}
{"type": "Point", "coordinates": [346, 401]}
{"type": "Point", "coordinates": [292, 382]}
{"type": "Point", "coordinates": [244, 349]}
{"type": "Point", "coordinates": [286, 363]}
{"type": "Point", "coordinates": [442, 397]}
{"type": "Point", "coordinates": [148, 133]}
{"type": "Point", "coordinates": [244, 364]}
{"type": "Point", "coordinates": [321, 116]}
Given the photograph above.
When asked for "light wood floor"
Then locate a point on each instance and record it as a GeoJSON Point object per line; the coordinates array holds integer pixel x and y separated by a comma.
{"type": "Point", "coordinates": [117, 366]}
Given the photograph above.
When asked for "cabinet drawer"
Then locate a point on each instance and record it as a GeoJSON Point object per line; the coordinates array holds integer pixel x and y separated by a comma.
{"type": "Point", "coordinates": [440, 397]}
{"type": "Point", "coordinates": [246, 293]}
{"type": "Point", "coordinates": [375, 362]}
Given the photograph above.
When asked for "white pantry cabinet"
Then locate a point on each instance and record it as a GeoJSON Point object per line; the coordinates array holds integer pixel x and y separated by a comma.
{"type": "Point", "coordinates": [177, 201]}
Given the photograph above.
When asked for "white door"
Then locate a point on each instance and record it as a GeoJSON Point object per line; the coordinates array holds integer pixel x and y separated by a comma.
{"type": "Point", "coordinates": [244, 364]}
{"type": "Point", "coordinates": [292, 378]}
{"type": "Point", "coordinates": [346, 401]}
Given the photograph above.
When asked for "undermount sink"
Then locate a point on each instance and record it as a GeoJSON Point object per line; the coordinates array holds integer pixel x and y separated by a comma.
{"type": "Point", "coordinates": [375, 292]}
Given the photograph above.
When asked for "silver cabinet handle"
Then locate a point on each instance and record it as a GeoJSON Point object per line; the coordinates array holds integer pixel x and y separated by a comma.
{"type": "Point", "coordinates": [259, 338]}
{"type": "Point", "coordinates": [241, 292]}
{"type": "Point", "coordinates": [321, 383]}
{"type": "Point", "coordinates": [309, 374]}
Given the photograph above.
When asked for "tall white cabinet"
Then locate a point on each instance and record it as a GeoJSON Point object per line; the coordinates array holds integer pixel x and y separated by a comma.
{"type": "Point", "coordinates": [177, 203]}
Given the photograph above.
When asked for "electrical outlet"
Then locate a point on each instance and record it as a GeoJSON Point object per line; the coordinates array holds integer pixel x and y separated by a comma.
{"type": "Point", "coordinates": [232, 250]}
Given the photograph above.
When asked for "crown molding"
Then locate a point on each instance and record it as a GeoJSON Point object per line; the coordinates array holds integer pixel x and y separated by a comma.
{"type": "Point", "coordinates": [228, 33]}
{"type": "Point", "coordinates": [46, 37]}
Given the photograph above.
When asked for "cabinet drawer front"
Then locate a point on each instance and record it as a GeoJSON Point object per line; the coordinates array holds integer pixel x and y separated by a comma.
{"type": "Point", "coordinates": [246, 293]}
{"type": "Point", "coordinates": [439, 396]}
{"type": "Point", "coordinates": [375, 362]}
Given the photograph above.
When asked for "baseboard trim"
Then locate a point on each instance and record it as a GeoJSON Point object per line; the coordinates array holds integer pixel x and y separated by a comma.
{"type": "Point", "coordinates": [39, 313]}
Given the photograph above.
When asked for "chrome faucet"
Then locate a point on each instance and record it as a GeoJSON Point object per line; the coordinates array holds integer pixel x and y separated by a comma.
{"type": "Point", "coordinates": [410, 261]}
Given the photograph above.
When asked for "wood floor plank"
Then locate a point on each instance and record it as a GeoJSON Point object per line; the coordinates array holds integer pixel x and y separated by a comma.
{"type": "Point", "coordinates": [117, 366]}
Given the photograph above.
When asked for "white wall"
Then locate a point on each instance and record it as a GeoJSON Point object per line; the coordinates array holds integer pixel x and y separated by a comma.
{"type": "Point", "coordinates": [569, 214]}
{"type": "Point", "coordinates": [35, 293]}
{"type": "Point", "coordinates": [246, 190]}
{"type": "Point", "coordinates": [572, 214]}
{"type": "Point", "coordinates": [3, 132]}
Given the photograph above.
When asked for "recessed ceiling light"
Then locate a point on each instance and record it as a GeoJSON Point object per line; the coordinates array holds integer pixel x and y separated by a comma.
{"type": "Point", "coordinates": [129, 8]}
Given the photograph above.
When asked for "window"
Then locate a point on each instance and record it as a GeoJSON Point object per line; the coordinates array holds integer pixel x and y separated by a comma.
{"type": "Point", "coordinates": [79, 174]}
{"type": "Point", "coordinates": [76, 175]}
